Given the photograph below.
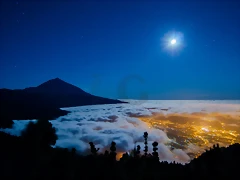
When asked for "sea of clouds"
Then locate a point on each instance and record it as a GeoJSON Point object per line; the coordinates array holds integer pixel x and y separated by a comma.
{"type": "Point", "coordinates": [102, 124]}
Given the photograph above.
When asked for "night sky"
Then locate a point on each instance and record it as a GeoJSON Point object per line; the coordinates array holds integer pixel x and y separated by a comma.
{"type": "Point", "coordinates": [116, 49]}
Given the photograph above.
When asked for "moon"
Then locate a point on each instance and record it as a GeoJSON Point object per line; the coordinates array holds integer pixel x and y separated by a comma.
{"type": "Point", "coordinates": [173, 41]}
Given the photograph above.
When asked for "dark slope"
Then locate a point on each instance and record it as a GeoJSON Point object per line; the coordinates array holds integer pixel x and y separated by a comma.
{"type": "Point", "coordinates": [31, 157]}
{"type": "Point", "coordinates": [57, 86]}
{"type": "Point", "coordinates": [44, 101]}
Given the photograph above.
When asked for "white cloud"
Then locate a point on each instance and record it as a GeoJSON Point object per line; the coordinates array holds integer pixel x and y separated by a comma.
{"type": "Point", "coordinates": [103, 124]}
{"type": "Point", "coordinates": [17, 127]}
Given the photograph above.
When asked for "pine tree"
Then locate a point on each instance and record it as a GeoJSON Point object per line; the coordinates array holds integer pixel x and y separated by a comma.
{"type": "Point", "coordinates": [145, 142]}
{"type": "Point", "coordinates": [155, 153]}
{"type": "Point", "coordinates": [138, 150]}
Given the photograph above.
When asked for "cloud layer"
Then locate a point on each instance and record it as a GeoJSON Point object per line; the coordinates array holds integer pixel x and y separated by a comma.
{"type": "Point", "coordinates": [103, 124]}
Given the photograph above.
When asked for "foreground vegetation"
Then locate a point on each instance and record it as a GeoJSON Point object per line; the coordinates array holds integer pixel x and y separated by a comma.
{"type": "Point", "coordinates": [31, 156]}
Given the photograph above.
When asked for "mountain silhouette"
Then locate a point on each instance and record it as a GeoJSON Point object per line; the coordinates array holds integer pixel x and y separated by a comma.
{"type": "Point", "coordinates": [44, 101]}
{"type": "Point", "coordinates": [57, 86]}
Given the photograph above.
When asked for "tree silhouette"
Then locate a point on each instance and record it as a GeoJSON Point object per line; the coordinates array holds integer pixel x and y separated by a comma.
{"type": "Point", "coordinates": [134, 151]}
{"type": "Point", "coordinates": [113, 150]}
{"type": "Point", "coordinates": [60, 162]}
{"type": "Point", "coordinates": [145, 142]}
{"type": "Point", "coordinates": [106, 154]}
{"type": "Point", "coordinates": [124, 157]}
{"type": "Point", "coordinates": [40, 134]}
{"type": "Point", "coordinates": [5, 122]}
{"type": "Point", "coordinates": [73, 151]}
{"type": "Point", "coordinates": [155, 153]}
{"type": "Point", "coordinates": [138, 150]}
{"type": "Point", "coordinates": [93, 149]}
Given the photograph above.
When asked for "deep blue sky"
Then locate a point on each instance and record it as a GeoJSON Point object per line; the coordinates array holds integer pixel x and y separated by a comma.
{"type": "Point", "coordinates": [107, 47]}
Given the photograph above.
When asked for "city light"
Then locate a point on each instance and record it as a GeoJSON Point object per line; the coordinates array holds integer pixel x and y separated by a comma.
{"type": "Point", "coordinates": [197, 130]}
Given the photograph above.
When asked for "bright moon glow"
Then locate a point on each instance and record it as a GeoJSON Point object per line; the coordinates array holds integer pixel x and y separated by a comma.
{"type": "Point", "coordinates": [173, 41]}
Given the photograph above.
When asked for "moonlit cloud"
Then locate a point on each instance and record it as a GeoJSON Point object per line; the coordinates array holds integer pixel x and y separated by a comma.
{"type": "Point", "coordinates": [121, 123]}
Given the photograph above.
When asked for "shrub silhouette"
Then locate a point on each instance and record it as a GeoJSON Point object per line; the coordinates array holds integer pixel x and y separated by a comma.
{"type": "Point", "coordinates": [40, 134]}
{"type": "Point", "coordinates": [106, 153]}
{"type": "Point", "coordinates": [61, 163]}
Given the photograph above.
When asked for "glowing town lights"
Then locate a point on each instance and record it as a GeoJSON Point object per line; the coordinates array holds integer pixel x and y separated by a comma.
{"type": "Point", "coordinates": [201, 131]}
{"type": "Point", "coordinates": [205, 129]}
